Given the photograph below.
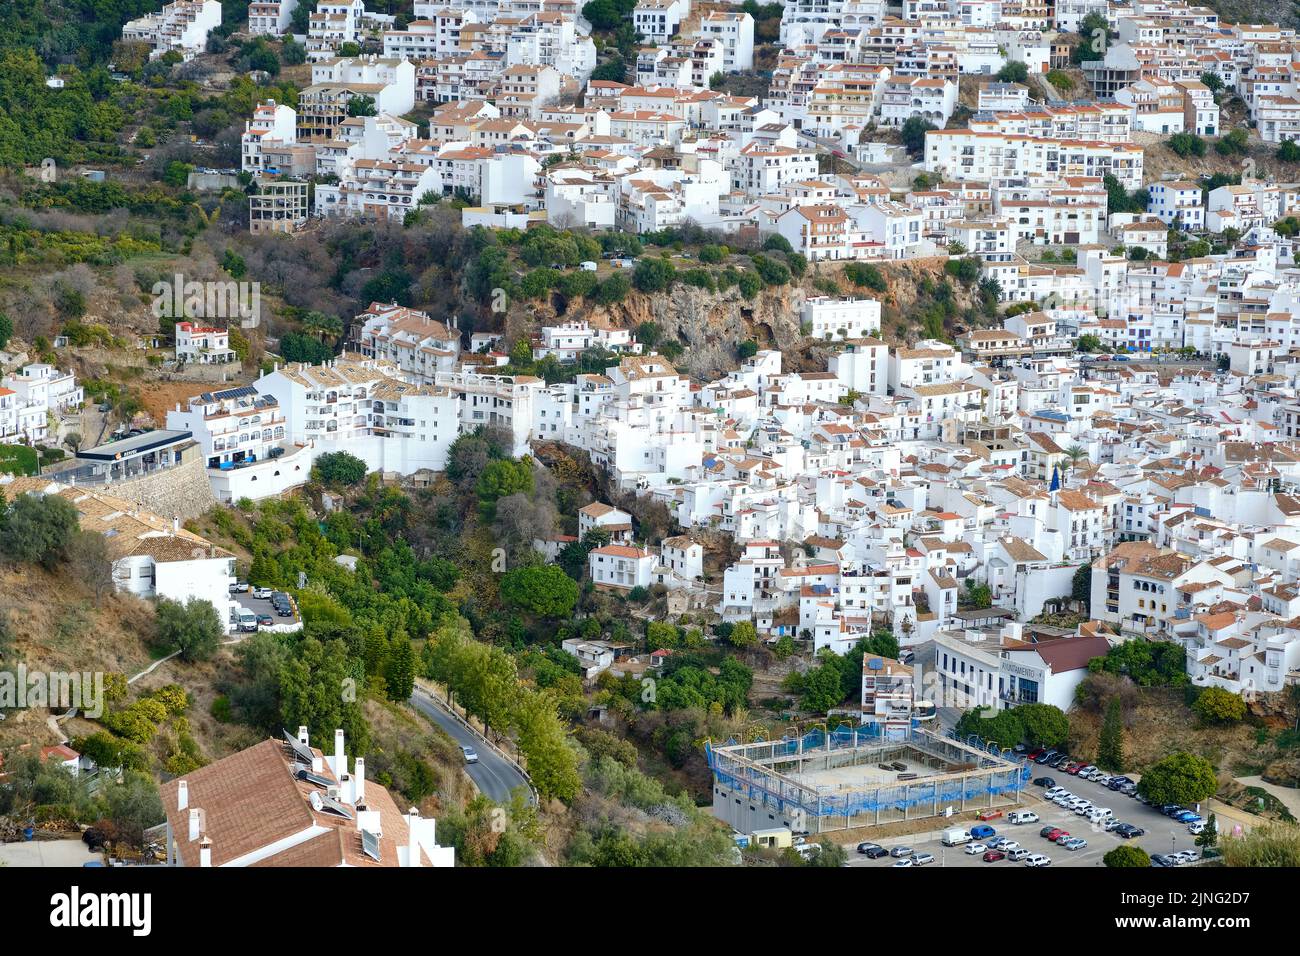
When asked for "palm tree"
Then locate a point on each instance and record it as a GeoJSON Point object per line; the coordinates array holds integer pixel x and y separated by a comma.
{"type": "Point", "coordinates": [1074, 454]}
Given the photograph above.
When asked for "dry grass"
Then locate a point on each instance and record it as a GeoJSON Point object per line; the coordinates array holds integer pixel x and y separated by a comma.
{"type": "Point", "coordinates": [58, 625]}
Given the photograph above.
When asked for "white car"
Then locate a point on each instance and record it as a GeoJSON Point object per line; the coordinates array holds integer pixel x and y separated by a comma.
{"type": "Point", "coordinates": [1015, 856]}
{"type": "Point", "coordinates": [1053, 792]}
{"type": "Point", "coordinates": [1082, 809]}
{"type": "Point", "coordinates": [1196, 827]}
{"type": "Point", "coordinates": [1186, 856]}
{"type": "Point", "coordinates": [1063, 800]}
{"type": "Point", "coordinates": [902, 862]}
{"type": "Point", "coordinates": [1009, 846]}
{"type": "Point", "coordinates": [1089, 770]}
{"type": "Point", "coordinates": [973, 848]}
{"type": "Point", "coordinates": [1103, 779]}
{"type": "Point", "coordinates": [1037, 859]}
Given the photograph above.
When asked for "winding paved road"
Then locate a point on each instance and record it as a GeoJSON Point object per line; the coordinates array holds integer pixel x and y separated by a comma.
{"type": "Point", "coordinates": [495, 776]}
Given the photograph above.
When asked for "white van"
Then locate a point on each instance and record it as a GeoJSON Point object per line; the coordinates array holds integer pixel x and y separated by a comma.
{"type": "Point", "coordinates": [247, 620]}
{"type": "Point", "coordinates": [1022, 816]}
{"type": "Point", "coordinates": [1099, 815]}
{"type": "Point", "coordinates": [954, 837]}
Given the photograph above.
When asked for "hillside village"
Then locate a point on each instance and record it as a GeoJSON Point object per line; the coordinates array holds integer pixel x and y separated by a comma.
{"type": "Point", "coordinates": [689, 433]}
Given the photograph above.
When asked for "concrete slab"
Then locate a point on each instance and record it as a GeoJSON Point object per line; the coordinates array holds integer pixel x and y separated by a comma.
{"type": "Point", "coordinates": [47, 853]}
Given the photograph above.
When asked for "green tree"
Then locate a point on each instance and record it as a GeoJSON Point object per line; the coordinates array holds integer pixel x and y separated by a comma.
{"type": "Point", "coordinates": [1214, 705]}
{"type": "Point", "coordinates": [913, 135]}
{"type": "Point", "coordinates": [1014, 72]}
{"type": "Point", "coordinates": [501, 478]}
{"type": "Point", "coordinates": [193, 628]}
{"type": "Point", "coordinates": [1186, 145]}
{"type": "Point", "coordinates": [399, 674]}
{"type": "Point", "coordinates": [362, 105]}
{"type": "Point", "coordinates": [312, 682]}
{"type": "Point", "coordinates": [1180, 778]}
{"type": "Point", "coordinates": [37, 529]}
{"type": "Point", "coordinates": [743, 634]}
{"type": "Point", "coordinates": [1110, 745]}
{"type": "Point", "coordinates": [1045, 725]}
{"type": "Point", "coordinates": [6, 329]}
{"type": "Point", "coordinates": [653, 274]}
{"type": "Point", "coordinates": [1209, 837]}
{"type": "Point", "coordinates": [539, 591]}
{"type": "Point", "coordinates": [1288, 151]}
{"type": "Point", "coordinates": [1081, 586]}
{"type": "Point", "coordinates": [1127, 855]}
{"type": "Point", "coordinates": [544, 741]}
{"type": "Point", "coordinates": [339, 468]}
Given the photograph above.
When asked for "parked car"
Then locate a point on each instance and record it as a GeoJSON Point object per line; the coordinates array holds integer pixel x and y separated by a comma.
{"type": "Point", "coordinates": [239, 587]}
{"type": "Point", "coordinates": [1038, 859]}
{"type": "Point", "coordinates": [262, 594]}
{"type": "Point", "coordinates": [996, 843]}
{"type": "Point", "coordinates": [1046, 782]}
{"type": "Point", "coordinates": [1053, 791]}
{"type": "Point", "coordinates": [1196, 827]}
{"type": "Point", "coordinates": [1088, 769]}
{"type": "Point", "coordinates": [1053, 833]}
{"type": "Point", "coordinates": [1045, 757]}
{"type": "Point", "coordinates": [867, 848]}
{"type": "Point", "coordinates": [1015, 856]}
{"type": "Point", "coordinates": [1022, 816]}
{"type": "Point", "coordinates": [1008, 846]}
{"type": "Point", "coordinates": [900, 851]}
{"type": "Point", "coordinates": [265, 620]}
{"type": "Point", "coordinates": [921, 859]}
{"type": "Point", "coordinates": [902, 861]}
{"type": "Point", "coordinates": [1035, 753]}
{"type": "Point", "coordinates": [1159, 859]}
{"type": "Point", "coordinates": [1132, 833]}
{"type": "Point", "coordinates": [1169, 809]}
{"type": "Point", "coordinates": [1073, 768]}
{"type": "Point", "coordinates": [1113, 824]}
{"type": "Point", "coordinates": [973, 848]}
{"type": "Point", "coordinates": [1064, 838]}
{"type": "Point", "coordinates": [993, 856]}
{"type": "Point", "coordinates": [1101, 779]}
{"type": "Point", "coordinates": [1187, 856]}
{"type": "Point", "coordinates": [1048, 830]}
{"type": "Point", "coordinates": [1187, 816]}
{"type": "Point", "coordinates": [982, 832]}
{"type": "Point", "coordinates": [1078, 843]}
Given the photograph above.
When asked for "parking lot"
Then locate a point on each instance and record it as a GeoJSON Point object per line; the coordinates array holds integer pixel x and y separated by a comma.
{"type": "Point", "coordinates": [263, 606]}
{"type": "Point", "coordinates": [1163, 835]}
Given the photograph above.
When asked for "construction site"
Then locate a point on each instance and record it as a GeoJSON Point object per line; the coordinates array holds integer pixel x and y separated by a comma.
{"type": "Point", "coordinates": [851, 778]}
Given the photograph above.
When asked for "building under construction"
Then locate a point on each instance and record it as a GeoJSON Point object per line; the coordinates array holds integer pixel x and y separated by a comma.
{"type": "Point", "coordinates": [855, 778]}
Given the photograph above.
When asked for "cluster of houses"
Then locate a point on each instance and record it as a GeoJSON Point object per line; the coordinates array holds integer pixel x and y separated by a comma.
{"type": "Point", "coordinates": [31, 398]}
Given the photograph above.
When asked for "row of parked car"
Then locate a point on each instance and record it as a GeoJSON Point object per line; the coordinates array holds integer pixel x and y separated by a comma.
{"type": "Point", "coordinates": [1061, 761]}
{"type": "Point", "coordinates": [1103, 817]}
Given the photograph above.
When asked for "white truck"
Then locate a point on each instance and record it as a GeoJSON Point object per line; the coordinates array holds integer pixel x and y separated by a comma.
{"type": "Point", "coordinates": [955, 836]}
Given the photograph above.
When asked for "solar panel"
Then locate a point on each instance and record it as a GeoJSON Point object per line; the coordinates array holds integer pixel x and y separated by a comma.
{"type": "Point", "coordinates": [330, 805]}
{"type": "Point", "coordinates": [370, 844]}
{"type": "Point", "coordinates": [315, 778]}
{"type": "Point", "coordinates": [300, 749]}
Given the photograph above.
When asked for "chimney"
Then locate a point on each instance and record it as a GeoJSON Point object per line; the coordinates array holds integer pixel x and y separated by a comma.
{"type": "Point", "coordinates": [182, 796]}
{"type": "Point", "coordinates": [302, 736]}
{"type": "Point", "coordinates": [205, 851]}
{"type": "Point", "coordinates": [359, 780]}
{"type": "Point", "coordinates": [176, 523]}
{"type": "Point", "coordinates": [340, 762]}
{"type": "Point", "coordinates": [196, 823]}
{"type": "Point", "coordinates": [412, 842]}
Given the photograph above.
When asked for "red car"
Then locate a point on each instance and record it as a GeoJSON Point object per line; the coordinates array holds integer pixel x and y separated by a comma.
{"type": "Point", "coordinates": [1054, 833]}
{"type": "Point", "coordinates": [992, 856]}
{"type": "Point", "coordinates": [1035, 753]}
{"type": "Point", "coordinates": [1073, 768]}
